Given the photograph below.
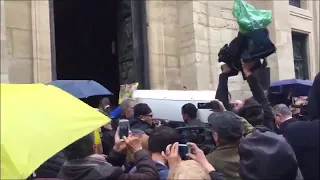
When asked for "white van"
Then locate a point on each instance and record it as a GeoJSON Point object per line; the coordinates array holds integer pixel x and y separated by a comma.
{"type": "Point", "coordinates": [166, 104]}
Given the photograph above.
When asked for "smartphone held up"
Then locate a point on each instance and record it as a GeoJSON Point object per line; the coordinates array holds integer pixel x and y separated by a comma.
{"type": "Point", "coordinates": [184, 149]}
{"type": "Point", "coordinates": [124, 128]}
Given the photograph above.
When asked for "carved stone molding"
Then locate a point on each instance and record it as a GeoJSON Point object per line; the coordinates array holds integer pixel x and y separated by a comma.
{"type": "Point", "coordinates": [41, 41]}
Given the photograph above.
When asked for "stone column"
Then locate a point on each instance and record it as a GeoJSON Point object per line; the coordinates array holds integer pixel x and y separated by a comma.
{"type": "Point", "coordinates": [4, 59]}
{"type": "Point", "coordinates": [171, 41]}
{"type": "Point", "coordinates": [281, 63]}
{"type": "Point", "coordinates": [41, 41]}
{"type": "Point", "coordinates": [187, 45]}
{"type": "Point", "coordinates": [202, 42]}
{"type": "Point", "coordinates": [162, 38]}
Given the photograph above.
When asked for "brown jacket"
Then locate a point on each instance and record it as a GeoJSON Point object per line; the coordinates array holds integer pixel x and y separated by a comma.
{"type": "Point", "coordinates": [92, 168]}
{"type": "Point", "coordinates": [225, 159]}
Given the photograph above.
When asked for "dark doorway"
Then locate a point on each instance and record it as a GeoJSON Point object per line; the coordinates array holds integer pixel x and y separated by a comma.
{"type": "Point", "coordinates": [85, 41]}
{"type": "Point", "coordinates": [105, 41]}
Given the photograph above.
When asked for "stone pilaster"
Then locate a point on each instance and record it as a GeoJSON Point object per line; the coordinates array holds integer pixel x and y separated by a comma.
{"type": "Point", "coordinates": [281, 63]}
{"type": "Point", "coordinates": [4, 59]}
{"type": "Point", "coordinates": [187, 45]}
{"type": "Point", "coordinates": [41, 44]}
{"type": "Point", "coordinates": [162, 16]}
{"type": "Point", "coordinates": [202, 42]}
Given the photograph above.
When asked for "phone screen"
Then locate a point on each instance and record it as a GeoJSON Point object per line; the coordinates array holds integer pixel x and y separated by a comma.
{"type": "Point", "coordinates": [124, 128]}
{"type": "Point", "coordinates": [184, 149]}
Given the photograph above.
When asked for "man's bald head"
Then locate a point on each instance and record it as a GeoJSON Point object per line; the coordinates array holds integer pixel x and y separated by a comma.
{"type": "Point", "coordinates": [104, 103]}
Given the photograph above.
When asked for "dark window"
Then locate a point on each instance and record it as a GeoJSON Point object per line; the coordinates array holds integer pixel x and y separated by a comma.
{"type": "Point", "coordinates": [296, 3]}
{"type": "Point", "coordinates": [299, 43]}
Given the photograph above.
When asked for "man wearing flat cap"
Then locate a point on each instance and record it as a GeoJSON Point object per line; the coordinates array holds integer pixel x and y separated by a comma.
{"type": "Point", "coordinates": [227, 130]}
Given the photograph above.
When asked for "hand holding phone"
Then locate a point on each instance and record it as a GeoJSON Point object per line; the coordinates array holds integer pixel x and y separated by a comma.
{"type": "Point", "coordinates": [197, 154]}
{"type": "Point", "coordinates": [184, 149]}
{"type": "Point", "coordinates": [124, 128]}
{"type": "Point", "coordinates": [172, 154]}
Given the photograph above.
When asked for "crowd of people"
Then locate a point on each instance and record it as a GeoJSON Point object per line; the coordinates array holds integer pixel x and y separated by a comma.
{"type": "Point", "coordinates": [253, 141]}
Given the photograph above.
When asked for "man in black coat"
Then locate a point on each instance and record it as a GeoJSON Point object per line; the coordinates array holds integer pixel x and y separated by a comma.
{"type": "Point", "coordinates": [283, 117]}
{"type": "Point", "coordinates": [314, 99]}
{"type": "Point", "coordinates": [266, 155]}
{"type": "Point", "coordinates": [142, 118]}
{"type": "Point", "coordinates": [304, 138]}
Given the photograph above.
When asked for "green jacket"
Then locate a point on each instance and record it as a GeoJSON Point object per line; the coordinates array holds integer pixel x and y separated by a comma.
{"type": "Point", "coordinates": [225, 159]}
{"type": "Point", "coordinates": [247, 127]}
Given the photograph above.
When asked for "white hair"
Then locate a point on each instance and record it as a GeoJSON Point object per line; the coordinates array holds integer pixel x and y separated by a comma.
{"type": "Point", "coordinates": [125, 105]}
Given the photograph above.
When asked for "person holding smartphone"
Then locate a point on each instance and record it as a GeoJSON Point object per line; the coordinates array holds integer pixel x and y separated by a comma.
{"type": "Point", "coordinates": [83, 163]}
{"type": "Point", "coordinates": [158, 141]}
{"type": "Point", "coordinates": [196, 154]}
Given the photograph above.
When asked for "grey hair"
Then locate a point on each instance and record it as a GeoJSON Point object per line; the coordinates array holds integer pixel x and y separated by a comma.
{"type": "Point", "coordinates": [282, 109]}
{"type": "Point", "coordinates": [125, 105]}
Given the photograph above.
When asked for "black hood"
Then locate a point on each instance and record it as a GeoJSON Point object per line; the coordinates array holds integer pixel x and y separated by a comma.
{"type": "Point", "coordinates": [51, 167]}
{"type": "Point", "coordinates": [251, 102]}
{"type": "Point", "coordinates": [314, 99]}
{"type": "Point", "coordinates": [86, 169]}
{"type": "Point", "coordinates": [266, 155]}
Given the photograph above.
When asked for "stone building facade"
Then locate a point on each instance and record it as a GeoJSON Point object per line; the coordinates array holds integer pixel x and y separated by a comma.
{"type": "Point", "coordinates": [184, 38]}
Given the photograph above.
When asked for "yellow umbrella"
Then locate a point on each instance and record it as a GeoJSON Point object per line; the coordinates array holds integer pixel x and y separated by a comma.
{"type": "Point", "coordinates": [38, 121]}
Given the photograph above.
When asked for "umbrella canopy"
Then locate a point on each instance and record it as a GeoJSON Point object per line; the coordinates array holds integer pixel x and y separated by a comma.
{"type": "Point", "coordinates": [298, 87]}
{"type": "Point", "coordinates": [37, 121]}
{"type": "Point", "coordinates": [81, 88]}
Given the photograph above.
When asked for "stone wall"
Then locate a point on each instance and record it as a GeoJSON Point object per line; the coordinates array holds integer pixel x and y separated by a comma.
{"type": "Point", "coordinates": [185, 37]}
{"type": "Point", "coordinates": [214, 18]}
{"type": "Point", "coordinates": [25, 42]}
{"type": "Point", "coordinates": [19, 41]}
{"type": "Point", "coordinates": [163, 34]}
